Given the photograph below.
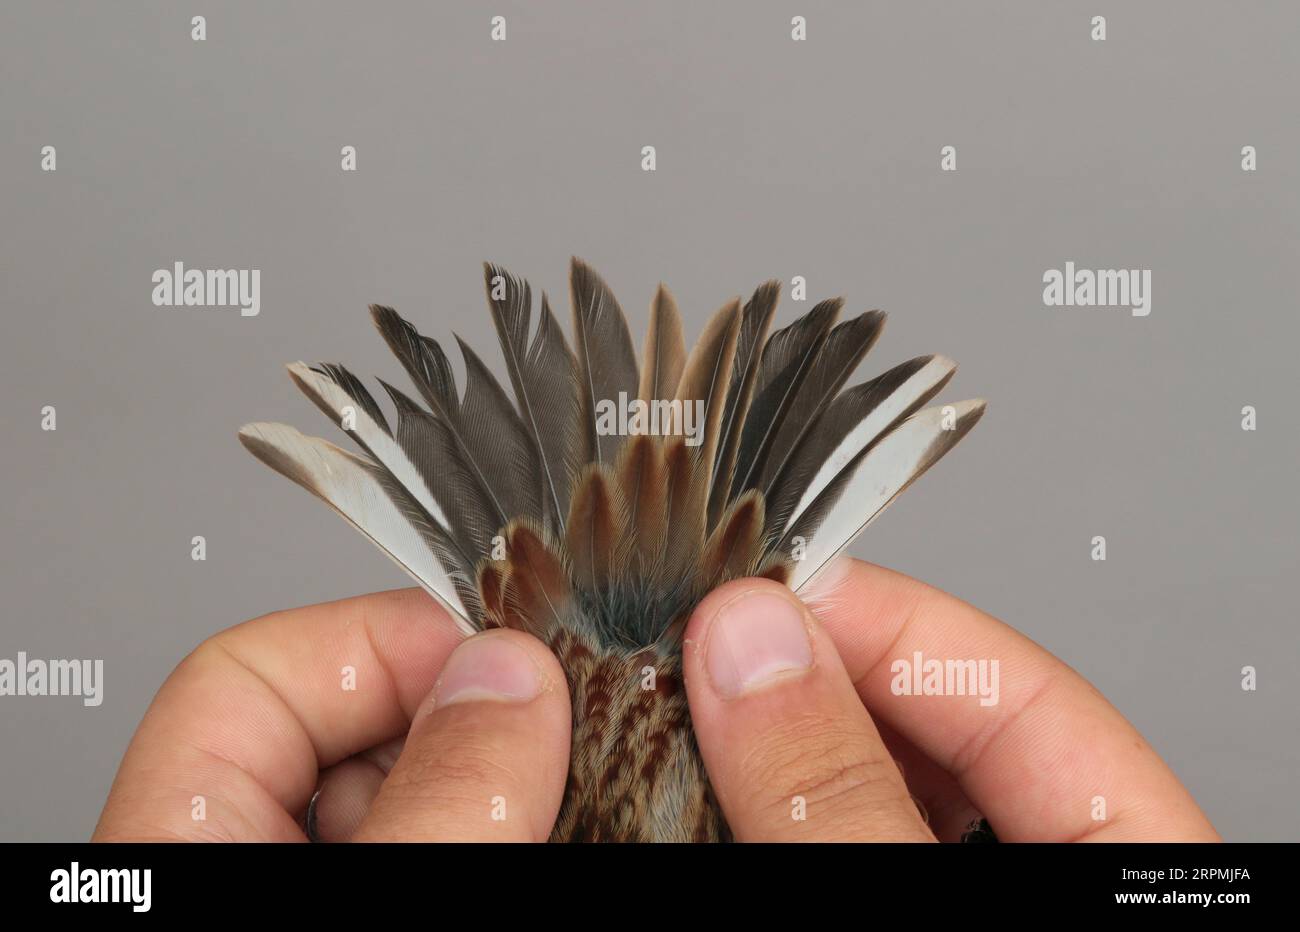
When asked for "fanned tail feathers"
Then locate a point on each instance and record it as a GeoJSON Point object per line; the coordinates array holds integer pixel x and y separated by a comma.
{"type": "Point", "coordinates": [529, 512]}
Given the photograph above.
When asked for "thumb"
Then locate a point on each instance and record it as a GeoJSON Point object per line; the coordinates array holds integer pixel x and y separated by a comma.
{"type": "Point", "coordinates": [487, 755]}
{"type": "Point", "coordinates": [791, 752]}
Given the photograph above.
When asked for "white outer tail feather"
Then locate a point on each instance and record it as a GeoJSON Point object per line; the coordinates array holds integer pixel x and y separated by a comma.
{"type": "Point", "coordinates": [340, 479]}
{"type": "Point", "coordinates": [885, 471]}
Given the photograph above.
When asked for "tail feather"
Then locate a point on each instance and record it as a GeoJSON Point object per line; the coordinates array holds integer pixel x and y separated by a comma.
{"type": "Point", "coordinates": [845, 347]}
{"type": "Point", "coordinates": [347, 402]}
{"type": "Point", "coordinates": [595, 528]}
{"type": "Point", "coordinates": [614, 539]}
{"type": "Point", "coordinates": [473, 513]}
{"type": "Point", "coordinates": [704, 382]}
{"type": "Point", "coordinates": [641, 478]}
{"type": "Point", "coordinates": [734, 548]}
{"type": "Point", "coordinates": [664, 355]}
{"type": "Point", "coordinates": [859, 492]}
{"type": "Point", "coordinates": [423, 359]}
{"type": "Point", "coordinates": [489, 430]}
{"type": "Point", "coordinates": [755, 320]}
{"type": "Point", "coordinates": [491, 587]}
{"type": "Point", "coordinates": [544, 376]}
{"type": "Point", "coordinates": [355, 390]}
{"type": "Point", "coordinates": [483, 427]}
{"type": "Point", "coordinates": [851, 423]}
{"type": "Point", "coordinates": [685, 505]}
{"type": "Point", "coordinates": [537, 593]}
{"type": "Point", "coordinates": [606, 362]}
{"type": "Point", "coordinates": [351, 486]}
{"type": "Point", "coordinates": [788, 358]}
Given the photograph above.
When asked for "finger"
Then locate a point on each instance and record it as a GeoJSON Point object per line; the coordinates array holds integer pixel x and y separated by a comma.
{"type": "Point", "coordinates": [487, 756]}
{"type": "Point", "coordinates": [231, 745]}
{"type": "Point", "coordinates": [945, 808]}
{"type": "Point", "coordinates": [791, 753]}
{"type": "Point", "coordinates": [347, 790]}
{"type": "Point", "coordinates": [1047, 758]}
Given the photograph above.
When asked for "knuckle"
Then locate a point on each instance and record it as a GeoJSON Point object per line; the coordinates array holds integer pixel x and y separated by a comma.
{"type": "Point", "coordinates": [454, 764]}
{"type": "Point", "coordinates": [208, 651]}
{"type": "Point", "coordinates": [820, 760]}
{"type": "Point", "coordinates": [209, 661]}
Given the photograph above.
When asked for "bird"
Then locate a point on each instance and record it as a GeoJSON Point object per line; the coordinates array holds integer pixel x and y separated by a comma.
{"type": "Point", "coordinates": [596, 502]}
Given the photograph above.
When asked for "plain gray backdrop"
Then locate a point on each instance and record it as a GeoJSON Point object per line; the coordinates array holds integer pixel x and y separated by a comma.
{"type": "Point", "coordinates": [775, 159]}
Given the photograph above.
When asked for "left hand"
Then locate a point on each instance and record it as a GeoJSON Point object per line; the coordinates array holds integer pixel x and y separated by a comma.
{"type": "Point", "coordinates": [475, 732]}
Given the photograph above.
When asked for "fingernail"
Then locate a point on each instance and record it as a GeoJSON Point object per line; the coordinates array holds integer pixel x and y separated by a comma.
{"type": "Point", "coordinates": [487, 668]}
{"type": "Point", "coordinates": [755, 639]}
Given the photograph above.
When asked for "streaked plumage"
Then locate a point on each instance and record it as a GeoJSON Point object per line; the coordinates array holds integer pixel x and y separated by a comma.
{"type": "Point", "coordinates": [605, 543]}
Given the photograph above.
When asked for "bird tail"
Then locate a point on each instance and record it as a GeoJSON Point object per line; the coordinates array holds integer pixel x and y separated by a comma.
{"type": "Point", "coordinates": [615, 495]}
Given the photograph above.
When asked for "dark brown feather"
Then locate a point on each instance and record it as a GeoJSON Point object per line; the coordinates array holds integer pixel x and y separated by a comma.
{"type": "Point", "coordinates": [536, 595]}
{"type": "Point", "coordinates": [685, 493]}
{"type": "Point", "coordinates": [705, 378]}
{"type": "Point", "coordinates": [735, 546]}
{"type": "Point", "coordinates": [641, 477]}
{"type": "Point", "coordinates": [491, 586]}
{"type": "Point", "coordinates": [595, 528]}
{"type": "Point", "coordinates": [665, 349]}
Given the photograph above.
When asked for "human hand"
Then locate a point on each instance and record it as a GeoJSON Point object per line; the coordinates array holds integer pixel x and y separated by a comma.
{"type": "Point", "coordinates": [779, 698]}
{"type": "Point", "coordinates": [243, 727]}
{"type": "Point", "coordinates": [247, 720]}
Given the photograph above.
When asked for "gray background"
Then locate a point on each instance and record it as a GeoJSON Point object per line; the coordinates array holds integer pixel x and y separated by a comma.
{"type": "Point", "coordinates": [775, 159]}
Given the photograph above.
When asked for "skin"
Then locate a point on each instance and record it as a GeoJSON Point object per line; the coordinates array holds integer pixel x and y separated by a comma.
{"type": "Point", "coordinates": [443, 736]}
